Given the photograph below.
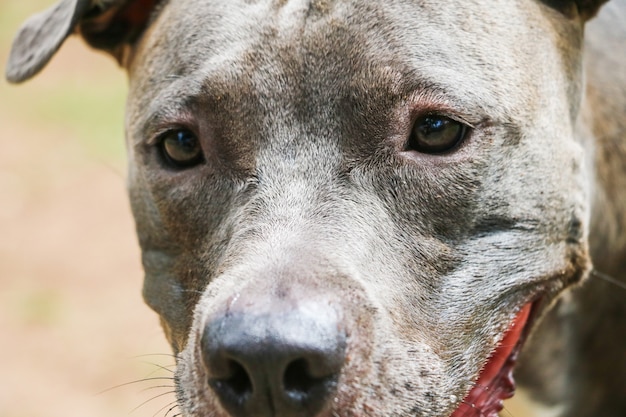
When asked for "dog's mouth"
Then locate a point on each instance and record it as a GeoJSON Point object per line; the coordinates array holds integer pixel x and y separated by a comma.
{"type": "Point", "coordinates": [495, 382]}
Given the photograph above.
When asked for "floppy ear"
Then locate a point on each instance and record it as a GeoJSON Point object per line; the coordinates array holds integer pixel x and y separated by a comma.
{"type": "Point", "coordinates": [110, 25]}
{"type": "Point", "coordinates": [584, 9]}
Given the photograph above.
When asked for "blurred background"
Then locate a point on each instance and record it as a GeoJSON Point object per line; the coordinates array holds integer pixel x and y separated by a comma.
{"type": "Point", "coordinates": [72, 320]}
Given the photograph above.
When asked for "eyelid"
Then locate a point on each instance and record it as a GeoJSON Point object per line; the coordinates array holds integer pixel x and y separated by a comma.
{"type": "Point", "coordinates": [460, 119]}
{"type": "Point", "coordinates": [167, 119]}
{"type": "Point", "coordinates": [157, 135]}
{"type": "Point", "coordinates": [424, 102]}
{"type": "Point", "coordinates": [443, 113]}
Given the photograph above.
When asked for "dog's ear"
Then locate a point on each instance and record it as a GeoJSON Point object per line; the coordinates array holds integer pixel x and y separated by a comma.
{"type": "Point", "coordinates": [110, 25]}
{"type": "Point", "coordinates": [584, 9]}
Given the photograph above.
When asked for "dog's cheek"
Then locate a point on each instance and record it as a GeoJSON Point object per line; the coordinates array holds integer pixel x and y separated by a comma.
{"type": "Point", "coordinates": [179, 226]}
{"type": "Point", "coordinates": [162, 290]}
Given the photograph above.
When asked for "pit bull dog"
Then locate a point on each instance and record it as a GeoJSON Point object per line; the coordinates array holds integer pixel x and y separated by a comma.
{"type": "Point", "coordinates": [366, 208]}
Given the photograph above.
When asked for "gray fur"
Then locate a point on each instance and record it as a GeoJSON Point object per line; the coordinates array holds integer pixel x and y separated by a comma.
{"type": "Point", "coordinates": [303, 108]}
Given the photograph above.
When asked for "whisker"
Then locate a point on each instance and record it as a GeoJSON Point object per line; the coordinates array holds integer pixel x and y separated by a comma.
{"type": "Point", "coordinates": [146, 355]}
{"type": "Point", "coordinates": [151, 399]}
{"type": "Point", "coordinates": [159, 367]}
{"type": "Point", "coordinates": [135, 382]}
{"type": "Point", "coordinates": [507, 412]}
{"type": "Point", "coordinates": [608, 278]}
{"type": "Point", "coordinates": [158, 386]}
{"type": "Point", "coordinates": [170, 410]}
{"type": "Point", "coordinates": [175, 402]}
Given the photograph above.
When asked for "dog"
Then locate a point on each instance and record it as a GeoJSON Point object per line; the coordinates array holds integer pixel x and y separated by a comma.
{"type": "Point", "coordinates": [366, 208]}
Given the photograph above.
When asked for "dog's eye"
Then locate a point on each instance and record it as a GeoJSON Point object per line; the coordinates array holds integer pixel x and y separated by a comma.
{"type": "Point", "coordinates": [436, 134]}
{"type": "Point", "coordinates": [181, 148]}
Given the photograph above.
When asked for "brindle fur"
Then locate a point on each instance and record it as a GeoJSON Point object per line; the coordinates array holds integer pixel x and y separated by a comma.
{"type": "Point", "coordinates": [308, 197]}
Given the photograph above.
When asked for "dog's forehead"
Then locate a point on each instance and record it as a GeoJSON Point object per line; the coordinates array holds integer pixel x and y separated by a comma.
{"type": "Point", "coordinates": [346, 46]}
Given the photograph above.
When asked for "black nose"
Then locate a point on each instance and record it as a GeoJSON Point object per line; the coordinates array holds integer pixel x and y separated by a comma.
{"type": "Point", "coordinates": [274, 364]}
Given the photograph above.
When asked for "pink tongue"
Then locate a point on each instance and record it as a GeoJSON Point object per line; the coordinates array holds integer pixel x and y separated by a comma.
{"type": "Point", "coordinates": [495, 381]}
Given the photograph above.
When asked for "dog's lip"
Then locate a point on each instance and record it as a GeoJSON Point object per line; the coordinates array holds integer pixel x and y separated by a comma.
{"type": "Point", "coordinates": [495, 382]}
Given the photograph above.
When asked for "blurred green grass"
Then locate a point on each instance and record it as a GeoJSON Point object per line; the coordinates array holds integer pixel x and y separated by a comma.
{"type": "Point", "coordinates": [93, 114]}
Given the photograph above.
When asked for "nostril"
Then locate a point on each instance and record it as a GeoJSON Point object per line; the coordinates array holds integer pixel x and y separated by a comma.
{"type": "Point", "coordinates": [297, 377]}
{"type": "Point", "coordinates": [303, 387]}
{"type": "Point", "coordinates": [237, 387]}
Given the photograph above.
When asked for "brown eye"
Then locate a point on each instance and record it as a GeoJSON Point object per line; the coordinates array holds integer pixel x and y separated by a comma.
{"type": "Point", "coordinates": [436, 134]}
{"type": "Point", "coordinates": [181, 148]}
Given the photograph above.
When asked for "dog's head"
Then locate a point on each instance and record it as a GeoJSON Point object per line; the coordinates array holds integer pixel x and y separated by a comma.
{"type": "Point", "coordinates": [346, 208]}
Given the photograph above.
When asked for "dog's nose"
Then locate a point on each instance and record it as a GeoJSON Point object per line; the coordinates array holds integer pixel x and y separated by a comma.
{"type": "Point", "coordinates": [274, 364]}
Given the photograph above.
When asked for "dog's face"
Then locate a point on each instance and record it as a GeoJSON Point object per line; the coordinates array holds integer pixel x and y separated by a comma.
{"type": "Point", "coordinates": [317, 183]}
{"type": "Point", "coordinates": [393, 185]}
